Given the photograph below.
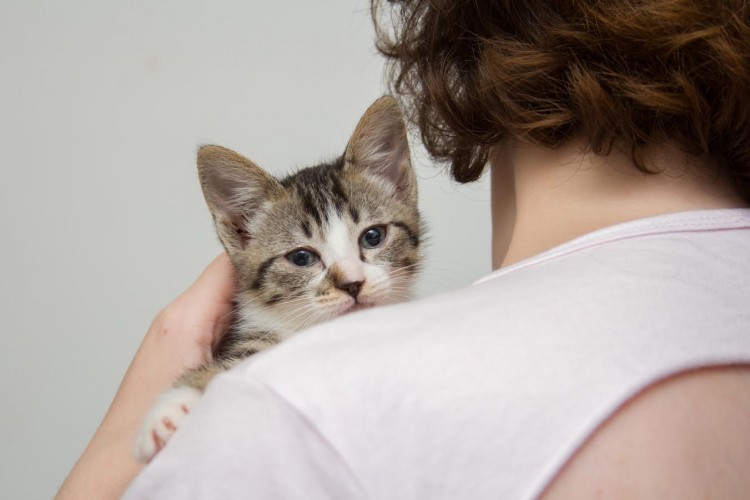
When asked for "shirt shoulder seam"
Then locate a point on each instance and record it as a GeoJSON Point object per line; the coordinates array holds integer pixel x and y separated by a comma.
{"type": "Point", "coordinates": [308, 421]}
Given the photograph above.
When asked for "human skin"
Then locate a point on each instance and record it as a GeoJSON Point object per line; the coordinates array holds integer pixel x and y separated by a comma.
{"type": "Point", "coordinates": [687, 437]}
{"type": "Point", "coordinates": [180, 337]}
{"type": "Point", "coordinates": [544, 197]}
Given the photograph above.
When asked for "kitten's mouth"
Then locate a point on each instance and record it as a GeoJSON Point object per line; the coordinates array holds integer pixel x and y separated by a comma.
{"type": "Point", "coordinates": [358, 306]}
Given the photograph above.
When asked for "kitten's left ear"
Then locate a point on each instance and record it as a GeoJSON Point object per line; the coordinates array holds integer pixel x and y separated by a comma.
{"type": "Point", "coordinates": [235, 188]}
{"type": "Point", "coordinates": [379, 147]}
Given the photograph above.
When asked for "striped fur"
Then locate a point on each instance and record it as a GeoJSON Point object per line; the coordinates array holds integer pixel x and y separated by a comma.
{"type": "Point", "coordinates": [326, 210]}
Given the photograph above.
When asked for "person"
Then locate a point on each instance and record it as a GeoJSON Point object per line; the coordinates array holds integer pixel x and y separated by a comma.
{"type": "Point", "coordinates": [180, 337]}
{"type": "Point", "coordinates": [607, 356]}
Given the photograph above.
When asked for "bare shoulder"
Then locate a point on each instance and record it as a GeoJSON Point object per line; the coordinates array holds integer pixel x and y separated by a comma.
{"type": "Point", "coordinates": [683, 438]}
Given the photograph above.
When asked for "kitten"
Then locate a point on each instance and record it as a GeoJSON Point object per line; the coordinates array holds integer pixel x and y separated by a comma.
{"type": "Point", "coordinates": [322, 242]}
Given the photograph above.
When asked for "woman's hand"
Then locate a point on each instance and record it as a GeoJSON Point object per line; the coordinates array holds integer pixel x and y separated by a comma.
{"type": "Point", "coordinates": [179, 338]}
{"type": "Point", "coordinates": [197, 318]}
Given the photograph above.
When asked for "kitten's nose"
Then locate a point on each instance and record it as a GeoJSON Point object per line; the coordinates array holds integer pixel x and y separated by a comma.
{"type": "Point", "coordinates": [352, 288]}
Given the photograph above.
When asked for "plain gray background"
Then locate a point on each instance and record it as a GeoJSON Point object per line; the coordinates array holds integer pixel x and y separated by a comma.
{"type": "Point", "coordinates": [102, 107]}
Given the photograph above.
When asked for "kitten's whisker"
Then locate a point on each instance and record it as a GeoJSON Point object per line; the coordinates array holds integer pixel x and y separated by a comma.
{"type": "Point", "coordinates": [416, 265]}
{"type": "Point", "coordinates": [399, 268]}
{"type": "Point", "coordinates": [447, 275]}
{"type": "Point", "coordinates": [384, 279]}
{"type": "Point", "coordinates": [402, 272]}
{"type": "Point", "coordinates": [313, 312]}
{"type": "Point", "coordinates": [388, 293]}
{"type": "Point", "coordinates": [406, 270]}
{"type": "Point", "coordinates": [396, 288]}
{"type": "Point", "coordinates": [312, 319]}
{"type": "Point", "coordinates": [292, 316]}
{"type": "Point", "coordinates": [449, 283]}
{"type": "Point", "coordinates": [396, 284]}
{"type": "Point", "coordinates": [394, 281]}
{"type": "Point", "coordinates": [292, 301]}
{"type": "Point", "coordinates": [392, 286]}
{"type": "Point", "coordinates": [389, 286]}
{"type": "Point", "coordinates": [262, 338]}
{"type": "Point", "coordinates": [398, 297]}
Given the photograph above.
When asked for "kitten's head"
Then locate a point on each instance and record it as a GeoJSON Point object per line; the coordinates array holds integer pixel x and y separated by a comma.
{"type": "Point", "coordinates": [326, 240]}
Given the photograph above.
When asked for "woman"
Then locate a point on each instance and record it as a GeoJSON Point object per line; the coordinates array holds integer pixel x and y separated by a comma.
{"type": "Point", "coordinates": [607, 356]}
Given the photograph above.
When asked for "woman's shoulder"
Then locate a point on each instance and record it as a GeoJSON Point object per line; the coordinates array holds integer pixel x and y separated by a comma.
{"type": "Point", "coordinates": [684, 437]}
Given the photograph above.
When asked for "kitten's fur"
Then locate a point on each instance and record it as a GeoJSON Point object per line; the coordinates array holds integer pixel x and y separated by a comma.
{"type": "Point", "coordinates": [335, 212]}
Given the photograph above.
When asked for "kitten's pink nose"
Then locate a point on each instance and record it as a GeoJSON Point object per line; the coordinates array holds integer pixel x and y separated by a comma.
{"type": "Point", "coordinates": [348, 276]}
{"type": "Point", "coordinates": [352, 288]}
{"type": "Point", "coordinates": [349, 270]}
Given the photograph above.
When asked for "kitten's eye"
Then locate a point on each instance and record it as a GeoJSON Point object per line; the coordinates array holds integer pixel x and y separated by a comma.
{"type": "Point", "coordinates": [302, 258]}
{"type": "Point", "coordinates": [372, 237]}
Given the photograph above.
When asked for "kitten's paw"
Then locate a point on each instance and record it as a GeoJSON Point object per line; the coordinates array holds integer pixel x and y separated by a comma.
{"type": "Point", "coordinates": [163, 420]}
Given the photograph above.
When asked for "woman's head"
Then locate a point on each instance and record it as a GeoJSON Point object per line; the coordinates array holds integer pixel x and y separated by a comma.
{"type": "Point", "coordinates": [625, 73]}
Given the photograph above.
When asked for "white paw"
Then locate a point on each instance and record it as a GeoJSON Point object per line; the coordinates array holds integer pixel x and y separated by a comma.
{"type": "Point", "coordinates": [163, 419]}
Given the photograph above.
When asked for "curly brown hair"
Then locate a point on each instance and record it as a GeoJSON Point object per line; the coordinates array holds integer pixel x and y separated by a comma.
{"type": "Point", "coordinates": [475, 73]}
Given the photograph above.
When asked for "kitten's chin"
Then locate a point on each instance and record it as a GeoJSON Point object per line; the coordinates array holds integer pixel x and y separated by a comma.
{"type": "Point", "coordinates": [358, 306]}
{"type": "Point", "coordinates": [349, 308]}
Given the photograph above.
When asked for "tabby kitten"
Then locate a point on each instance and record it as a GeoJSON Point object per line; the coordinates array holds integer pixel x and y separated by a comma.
{"type": "Point", "coordinates": [325, 241]}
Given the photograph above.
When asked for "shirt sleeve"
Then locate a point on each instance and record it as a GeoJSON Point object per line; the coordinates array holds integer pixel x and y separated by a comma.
{"type": "Point", "coordinates": [243, 440]}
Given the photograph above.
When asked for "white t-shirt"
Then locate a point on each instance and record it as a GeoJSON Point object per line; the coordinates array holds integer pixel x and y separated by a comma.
{"type": "Point", "coordinates": [481, 393]}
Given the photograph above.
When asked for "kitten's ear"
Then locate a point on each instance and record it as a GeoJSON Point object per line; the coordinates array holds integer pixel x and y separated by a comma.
{"type": "Point", "coordinates": [379, 147]}
{"type": "Point", "coordinates": [235, 189]}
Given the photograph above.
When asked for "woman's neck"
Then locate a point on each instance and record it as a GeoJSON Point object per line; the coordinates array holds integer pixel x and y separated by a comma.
{"type": "Point", "coordinates": [542, 197]}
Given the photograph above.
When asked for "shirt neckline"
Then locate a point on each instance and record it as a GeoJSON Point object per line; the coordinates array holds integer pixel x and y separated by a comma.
{"type": "Point", "coordinates": [679, 222]}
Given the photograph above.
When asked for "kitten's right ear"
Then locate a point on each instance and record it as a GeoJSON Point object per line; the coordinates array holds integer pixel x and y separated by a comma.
{"type": "Point", "coordinates": [235, 189]}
